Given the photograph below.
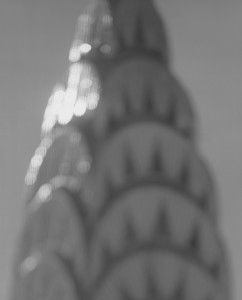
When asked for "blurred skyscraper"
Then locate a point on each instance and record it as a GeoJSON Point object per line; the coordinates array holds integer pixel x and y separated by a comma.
{"type": "Point", "coordinates": [120, 204]}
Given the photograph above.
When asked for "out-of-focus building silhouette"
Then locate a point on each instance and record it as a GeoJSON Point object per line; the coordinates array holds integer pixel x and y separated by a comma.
{"type": "Point", "coordinates": [120, 204]}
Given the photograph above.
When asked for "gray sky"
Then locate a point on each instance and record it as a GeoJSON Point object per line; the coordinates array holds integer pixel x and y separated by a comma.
{"type": "Point", "coordinates": [206, 41]}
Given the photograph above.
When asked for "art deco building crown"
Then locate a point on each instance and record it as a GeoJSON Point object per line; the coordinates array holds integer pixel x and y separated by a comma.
{"type": "Point", "coordinates": [120, 204]}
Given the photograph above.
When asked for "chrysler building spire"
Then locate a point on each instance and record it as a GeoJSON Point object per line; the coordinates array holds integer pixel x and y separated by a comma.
{"type": "Point", "coordinates": [120, 204]}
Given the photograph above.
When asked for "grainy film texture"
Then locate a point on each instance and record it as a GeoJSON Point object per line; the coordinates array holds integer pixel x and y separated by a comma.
{"type": "Point", "coordinates": [120, 204]}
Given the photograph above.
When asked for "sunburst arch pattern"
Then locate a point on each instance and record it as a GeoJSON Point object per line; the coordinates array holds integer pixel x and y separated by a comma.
{"type": "Point", "coordinates": [120, 203]}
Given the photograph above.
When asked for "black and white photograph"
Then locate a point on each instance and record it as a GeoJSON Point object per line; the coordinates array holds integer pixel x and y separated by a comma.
{"type": "Point", "coordinates": [121, 149]}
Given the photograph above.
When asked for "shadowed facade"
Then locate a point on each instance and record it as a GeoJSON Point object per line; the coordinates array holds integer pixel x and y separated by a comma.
{"type": "Point", "coordinates": [120, 204]}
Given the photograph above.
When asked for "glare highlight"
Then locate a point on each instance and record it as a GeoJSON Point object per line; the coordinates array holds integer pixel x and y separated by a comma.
{"type": "Point", "coordinates": [81, 95]}
{"type": "Point", "coordinates": [29, 265]}
{"type": "Point", "coordinates": [37, 161]}
{"type": "Point", "coordinates": [80, 108]}
{"type": "Point", "coordinates": [85, 48]}
{"type": "Point", "coordinates": [94, 29]}
{"type": "Point", "coordinates": [67, 109]}
{"type": "Point", "coordinates": [74, 74]}
{"type": "Point", "coordinates": [44, 192]}
{"type": "Point", "coordinates": [78, 49]}
{"type": "Point", "coordinates": [52, 109]}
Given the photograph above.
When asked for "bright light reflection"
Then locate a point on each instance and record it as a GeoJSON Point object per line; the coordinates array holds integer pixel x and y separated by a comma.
{"type": "Point", "coordinates": [94, 29]}
{"type": "Point", "coordinates": [67, 109]}
{"type": "Point", "coordinates": [85, 48]}
{"type": "Point", "coordinates": [93, 99]}
{"type": "Point", "coordinates": [80, 108]}
{"type": "Point", "coordinates": [86, 83]}
{"type": "Point", "coordinates": [75, 74]}
{"type": "Point", "coordinates": [81, 44]}
{"type": "Point", "coordinates": [71, 182]}
{"type": "Point", "coordinates": [82, 94]}
{"type": "Point", "coordinates": [44, 192]}
{"type": "Point", "coordinates": [89, 89]}
{"type": "Point", "coordinates": [53, 107]}
{"type": "Point", "coordinates": [78, 49]}
{"type": "Point", "coordinates": [29, 264]}
{"type": "Point", "coordinates": [74, 54]}
{"type": "Point", "coordinates": [36, 161]}
{"type": "Point", "coordinates": [30, 178]}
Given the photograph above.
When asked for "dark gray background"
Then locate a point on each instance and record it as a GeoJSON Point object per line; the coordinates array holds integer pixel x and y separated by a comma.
{"type": "Point", "coordinates": [207, 48]}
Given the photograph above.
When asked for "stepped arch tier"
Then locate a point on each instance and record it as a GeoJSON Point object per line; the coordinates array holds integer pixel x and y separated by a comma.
{"type": "Point", "coordinates": [121, 205]}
